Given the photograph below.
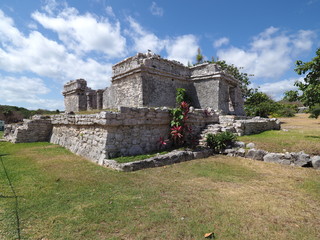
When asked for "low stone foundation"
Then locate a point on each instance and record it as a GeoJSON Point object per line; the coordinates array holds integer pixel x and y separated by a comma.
{"type": "Point", "coordinates": [130, 131]}
{"type": "Point", "coordinates": [36, 130]}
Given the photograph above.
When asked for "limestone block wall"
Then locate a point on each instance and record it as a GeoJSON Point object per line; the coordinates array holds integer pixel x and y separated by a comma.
{"type": "Point", "coordinates": [127, 92]}
{"type": "Point", "coordinates": [160, 90]}
{"type": "Point", "coordinates": [256, 125]}
{"type": "Point", "coordinates": [130, 131]}
{"type": "Point", "coordinates": [37, 129]}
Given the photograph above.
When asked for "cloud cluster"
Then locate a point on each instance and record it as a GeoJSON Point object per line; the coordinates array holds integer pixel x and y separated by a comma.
{"type": "Point", "coordinates": [182, 48]}
{"type": "Point", "coordinates": [84, 33]}
{"type": "Point", "coordinates": [271, 53]}
{"type": "Point", "coordinates": [276, 89]}
{"type": "Point", "coordinates": [27, 90]}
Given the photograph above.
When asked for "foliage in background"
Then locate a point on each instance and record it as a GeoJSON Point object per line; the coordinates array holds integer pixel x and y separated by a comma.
{"type": "Point", "coordinates": [291, 96]}
{"type": "Point", "coordinates": [315, 111]}
{"type": "Point", "coordinates": [220, 141]}
{"type": "Point", "coordinates": [310, 87]}
{"type": "Point", "coordinates": [12, 114]}
{"type": "Point", "coordinates": [260, 104]}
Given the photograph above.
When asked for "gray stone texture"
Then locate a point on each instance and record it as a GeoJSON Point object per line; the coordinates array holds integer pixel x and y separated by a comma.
{"type": "Point", "coordinates": [256, 154]}
{"type": "Point", "coordinates": [158, 161]}
{"type": "Point", "coordinates": [147, 80]}
{"type": "Point", "coordinates": [315, 160]}
{"type": "Point", "coordinates": [37, 129]}
{"type": "Point", "coordinates": [131, 131]}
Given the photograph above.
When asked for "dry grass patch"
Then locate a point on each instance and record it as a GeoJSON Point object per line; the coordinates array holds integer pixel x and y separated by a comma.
{"type": "Point", "coordinates": [299, 133]}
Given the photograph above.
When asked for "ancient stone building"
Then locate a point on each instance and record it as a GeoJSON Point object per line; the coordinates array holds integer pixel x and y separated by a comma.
{"type": "Point", "coordinates": [147, 80]}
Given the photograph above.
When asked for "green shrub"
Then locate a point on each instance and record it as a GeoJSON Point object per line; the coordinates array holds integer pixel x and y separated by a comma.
{"type": "Point", "coordinates": [285, 110]}
{"type": "Point", "coordinates": [260, 104]}
{"type": "Point", "coordinates": [220, 141]}
{"type": "Point", "coordinates": [315, 112]}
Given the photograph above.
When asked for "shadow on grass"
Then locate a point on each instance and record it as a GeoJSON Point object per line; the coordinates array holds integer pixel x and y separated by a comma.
{"type": "Point", "coordinates": [316, 137]}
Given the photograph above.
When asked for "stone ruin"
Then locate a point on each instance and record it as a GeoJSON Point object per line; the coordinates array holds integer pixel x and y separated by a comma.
{"type": "Point", "coordinates": [142, 91]}
{"type": "Point", "coordinates": [147, 80]}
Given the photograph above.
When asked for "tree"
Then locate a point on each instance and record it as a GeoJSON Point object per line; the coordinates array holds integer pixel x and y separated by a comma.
{"type": "Point", "coordinates": [199, 56]}
{"type": "Point", "coordinates": [310, 87]}
{"type": "Point", "coordinates": [260, 104]}
{"type": "Point", "coordinates": [291, 96]}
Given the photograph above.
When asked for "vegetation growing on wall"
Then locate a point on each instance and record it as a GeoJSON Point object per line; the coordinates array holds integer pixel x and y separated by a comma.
{"type": "Point", "coordinates": [179, 128]}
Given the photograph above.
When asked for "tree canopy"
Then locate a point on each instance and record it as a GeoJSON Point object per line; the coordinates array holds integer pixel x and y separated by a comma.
{"type": "Point", "coordinates": [310, 87]}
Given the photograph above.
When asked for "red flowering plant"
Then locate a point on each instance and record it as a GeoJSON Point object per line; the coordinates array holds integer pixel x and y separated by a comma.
{"type": "Point", "coordinates": [178, 124]}
{"type": "Point", "coordinates": [162, 143]}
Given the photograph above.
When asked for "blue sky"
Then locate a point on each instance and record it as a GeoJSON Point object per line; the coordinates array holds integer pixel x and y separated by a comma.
{"type": "Point", "coordinates": [44, 44]}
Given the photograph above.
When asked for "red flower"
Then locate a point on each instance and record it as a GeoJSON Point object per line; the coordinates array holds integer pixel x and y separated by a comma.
{"type": "Point", "coordinates": [184, 105]}
{"type": "Point", "coordinates": [163, 142]}
{"type": "Point", "coordinates": [176, 131]}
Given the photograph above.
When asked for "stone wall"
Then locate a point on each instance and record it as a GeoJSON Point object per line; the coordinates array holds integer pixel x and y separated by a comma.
{"type": "Point", "coordinates": [256, 125]}
{"type": "Point", "coordinates": [37, 129]}
{"type": "Point", "coordinates": [127, 92]}
{"type": "Point", "coordinates": [130, 131]}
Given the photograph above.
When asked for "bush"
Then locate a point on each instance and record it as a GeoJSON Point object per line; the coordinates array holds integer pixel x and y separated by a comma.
{"type": "Point", "coordinates": [260, 104]}
{"type": "Point", "coordinates": [286, 110]}
{"type": "Point", "coordinates": [220, 141]}
{"type": "Point", "coordinates": [315, 112]}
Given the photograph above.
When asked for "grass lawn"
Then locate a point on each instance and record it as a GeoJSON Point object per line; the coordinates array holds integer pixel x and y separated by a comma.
{"type": "Point", "coordinates": [1, 134]}
{"type": "Point", "coordinates": [62, 196]}
{"type": "Point", "coordinates": [301, 134]}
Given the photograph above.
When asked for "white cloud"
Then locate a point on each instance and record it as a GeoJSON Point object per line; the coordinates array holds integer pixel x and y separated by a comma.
{"type": "Point", "coordinates": [144, 40]}
{"type": "Point", "coordinates": [84, 33]}
{"type": "Point", "coordinates": [156, 10]}
{"type": "Point", "coordinates": [47, 58]}
{"type": "Point", "coordinates": [271, 53]}
{"type": "Point", "coordinates": [276, 89]}
{"type": "Point", "coordinates": [183, 48]}
{"type": "Point", "coordinates": [28, 91]}
{"type": "Point", "coordinates": [220, 42]}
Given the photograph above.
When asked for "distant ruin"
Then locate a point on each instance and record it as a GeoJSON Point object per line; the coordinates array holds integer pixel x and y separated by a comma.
{"type": "Point", "coordinates": [147, 80]}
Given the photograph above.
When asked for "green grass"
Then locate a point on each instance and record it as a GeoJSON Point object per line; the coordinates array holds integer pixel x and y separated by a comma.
{"type": "Point", "coordinates": [63, 196]}
{"type": "Point", "coordinates": [1, 134]}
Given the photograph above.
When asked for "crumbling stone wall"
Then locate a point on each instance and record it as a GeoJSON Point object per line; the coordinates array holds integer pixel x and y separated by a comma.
{"type": "Point", "coordinates": [37, 129]}
{"type": "Point", "coordinates": [129, 131]}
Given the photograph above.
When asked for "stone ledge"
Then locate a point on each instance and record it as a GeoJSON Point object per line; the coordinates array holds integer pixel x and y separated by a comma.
{"type": "Point", "coordinates": [299, 159]}
{"type": "Point", "coordinates": [173, 157]}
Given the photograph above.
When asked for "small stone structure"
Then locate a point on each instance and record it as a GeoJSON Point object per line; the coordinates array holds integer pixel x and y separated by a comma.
{"type": "Point", "coordinates": [37, 129]}
{"type": "Point", "coordinates": [147, 80]}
